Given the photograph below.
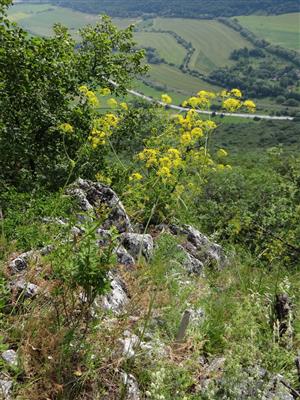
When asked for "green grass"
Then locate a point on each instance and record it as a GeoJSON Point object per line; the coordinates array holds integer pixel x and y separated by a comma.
{"type": "Point", "coordinates": [283, 30]}
{"type": "Point", "coordinates": [166, 46]}
{"type": "Point", "coordinates": [176, 81]}
{"type": "Point", "coordinates": [38, 19]}
{"type": "Point", "coordinates": [213, 41]}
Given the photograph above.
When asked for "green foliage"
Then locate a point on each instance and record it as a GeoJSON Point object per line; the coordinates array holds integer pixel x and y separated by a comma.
{"type": "Point", "coordinates": [257, 207]}
{"type": "Point", "coordinates": [84, 264]}
{"type": "Point", "coordinates": [24, 227]}
{"type": "Point", "coordinates": [40, 80]}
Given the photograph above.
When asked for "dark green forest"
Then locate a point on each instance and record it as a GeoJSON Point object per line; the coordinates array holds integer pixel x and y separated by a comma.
{"type": "Point", "coordinates": [177, 8]}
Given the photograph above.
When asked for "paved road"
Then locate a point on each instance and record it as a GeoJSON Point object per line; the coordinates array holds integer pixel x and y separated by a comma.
{"type": "Point", "coordinates": [179, 108]}
{"type": "Point", "coordinates": [241, 115]}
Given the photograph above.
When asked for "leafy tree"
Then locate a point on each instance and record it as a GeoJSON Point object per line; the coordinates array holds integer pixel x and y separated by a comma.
{"type": "Point", "coordinates": [39, 90]}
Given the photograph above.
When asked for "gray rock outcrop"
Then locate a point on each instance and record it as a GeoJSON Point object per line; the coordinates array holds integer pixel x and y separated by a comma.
{"type": "Point", "coordinates": [92, 195]}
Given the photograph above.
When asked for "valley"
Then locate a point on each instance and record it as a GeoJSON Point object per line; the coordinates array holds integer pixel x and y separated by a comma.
{"type": "Point", "coordinates": [183, 53]}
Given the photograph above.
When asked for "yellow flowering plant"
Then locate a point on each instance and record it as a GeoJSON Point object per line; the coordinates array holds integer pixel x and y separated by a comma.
{"type": "Point", "coordinates": [180, 151]}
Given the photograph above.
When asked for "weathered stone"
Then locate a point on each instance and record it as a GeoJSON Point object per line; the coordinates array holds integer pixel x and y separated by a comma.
{"type": "Point", "coordinates": [197, 316]}
{"type": "Point", "coordinates": [138, 244]}
{"type": "Point", "coordinates": [117, 298]}
{"type": "Point", "coordinates": [129, 342]}
{"type": "Point", "coordinates": [200, 247]}
{"type": "Point", "coordinates": [10, 357]}
{"type": "Point", "coordinates": [123, 256]}
{"type": "Point", "coordinates": [5, 388]}
{"type": "Point", "coordinates": [132, 387]}
{"type": "Point", "coordinates": [277, 390]}
{"type": "Point", "coordinates": [91, 195]}
{"type": "Point", "coordinates": [23, 288]}
{"type": "Point", "coordinates": [20, 263]}
{"type": "Point", "coordinates": [104, 237]}
{"type": "Point", "coordinates": [191, 263]}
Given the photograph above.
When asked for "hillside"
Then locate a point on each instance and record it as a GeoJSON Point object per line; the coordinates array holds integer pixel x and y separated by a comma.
{"type": "Point", "coordinates": [282, 30]}
{"type": "Point", "coordinates": [177, 8]}
{"type": "Point", "coordinates": [187, 53]}
{"type": "Point", "coordinates": [147, 251]}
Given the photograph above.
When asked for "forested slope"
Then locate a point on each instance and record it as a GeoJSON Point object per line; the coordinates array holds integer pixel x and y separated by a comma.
{"type": "Point", "coordinates": [177, 8]}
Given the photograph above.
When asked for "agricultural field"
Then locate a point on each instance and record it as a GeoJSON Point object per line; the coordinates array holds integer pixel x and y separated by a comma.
{"type": "Point", "coordinates": [38, 19]}
{"type": "Point", "coordinates": [212, 41]}
{"type": "Point", "coordinates": [176, 81]}
{"type": "Point", "coordinates": [283, 30]}
{"type": "Point", "coordinates": [165, 44]}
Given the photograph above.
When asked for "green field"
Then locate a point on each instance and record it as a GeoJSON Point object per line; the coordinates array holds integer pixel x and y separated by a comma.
{"type": "Point", "coordinates": [38, 19]}
{"type": "Point", "coordinates": [212, 40]}
{"type": "Point", "coordinates": [176, 81]}
{"type": "Point", "coordinates": [213, 43]}
{"type": "Point", "coordinates": [165, 44]}
{"type": "Point", "coordinates": [283, 30]}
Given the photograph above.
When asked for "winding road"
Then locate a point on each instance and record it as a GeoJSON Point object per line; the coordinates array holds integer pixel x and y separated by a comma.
{"type": "Point", "coordinates": [241, 115]}
{"type": "Point", "coordinates": [179, 108]}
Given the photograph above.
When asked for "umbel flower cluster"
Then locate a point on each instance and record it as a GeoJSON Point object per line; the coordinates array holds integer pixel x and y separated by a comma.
{"type": "Point", "coordinates": [162, 169]}
{"type": "Point", "coordinates": [188, 138]}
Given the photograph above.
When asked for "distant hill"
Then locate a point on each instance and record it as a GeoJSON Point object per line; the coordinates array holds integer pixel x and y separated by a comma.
{"type": "Point", "coordinates": [179, 8]}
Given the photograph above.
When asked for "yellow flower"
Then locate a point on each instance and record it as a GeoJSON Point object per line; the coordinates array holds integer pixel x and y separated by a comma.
{"type": "Point", "coordinates": [236, 93]}
{"type": "Point", "coordinates": [191, 114]}
{"type": "Point", "coordinates": [111, 119]}
{"type": "Point", "coordinates": [112, 103]}
{"type": "Point", "coordinates": [147, 153]}
{"type": "Point", "coordinates": [250, 105]}
{"type": "Point", "coordinates": [209, 125]}
{"type": "Point", "coordinates": [92, 98]}
{"type": "Point", "coordinates": [174, 153]}
{"type": "Point", "coordinates": [205, 93]}
{"type": "Point", "coordinates": [136, 176]}
{"type": "Point", "coordinates": [166, 99]}
{"type": "Point", "coordinates": [151, 162]}
{"type": "Point", "coordinates": [165, 162]}
{"type": "Point", "coordinates": [124, 106]}
{"type": "Point", "coordinates": [66, 128]}
{"type": "Point", "coordinates": [221, 167]}
{"type": "Point", "coordinates": [197, 132]}
{"type": "Point", "coordinates": [222, 153]}
{"type": "Point", "coordinates": [184, 103]}
{"type": "Point", "coordinates": [193, 102]}
{"type": "Point", "coordinates": [83, 89]}
{"type": "Point", "coordinates": [203, 102]}
{"type": "Point", "coordinates": [186, 139]}
{"type": "Point", "coordinates": [231, 105]}
{"type": "Point", "coordinates": [224, 93]}
{"type": "Point", "coordinates": [164, 172]}
{"type": "Point", "coordinates": [104, 92]}
{"type": "Point", "coordinates": [179, 118]}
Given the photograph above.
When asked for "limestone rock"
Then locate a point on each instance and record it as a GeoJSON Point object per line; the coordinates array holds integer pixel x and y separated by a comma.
{"type": "Point", "coordinates": [132, 387]}
{"type": "Point", "coordinates": [5, 388]}
{"type": "Point", "coordinates": [191, 263]}
{"type": "Point", "coordinates": [117, 298]}
{"type": "Point", "coordinates": [129, 342]}
{"type": "Point", "coordinates": [20, 263]}
{"type": "Point", "coordinates": [138, 244]}
{"type": "Point", "coordinates": [10, 357]}
{"type": "Point", "coordinates": [23, 288]}
{"type": "Point", "coordinates": [200, 247]}
{"type": "Point", "coordinates": [91, 195]}
{"type": "Point", "coordinates": [123, 256]}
